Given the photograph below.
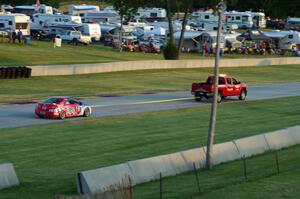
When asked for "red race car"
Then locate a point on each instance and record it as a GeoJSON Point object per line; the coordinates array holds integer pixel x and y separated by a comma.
{"type": "Point", "coordinates": [62, 107]}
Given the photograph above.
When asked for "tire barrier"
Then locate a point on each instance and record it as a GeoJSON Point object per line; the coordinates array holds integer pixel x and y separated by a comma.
{"type": "Point", "coordinates": [8, 176]}
{"type": "Point", "coordinates": [15, 72]}
{"type": "Point", "coordinates": [149, 169]}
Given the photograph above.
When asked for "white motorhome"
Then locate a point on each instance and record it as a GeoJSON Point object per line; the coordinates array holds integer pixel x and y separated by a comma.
{"type": "Point", "coordinates": [259, 19]}
{"type": "Point", "coordinates": [92, 30]}
{"type": "Point", "coordinates": [241, 19]}
{"type": "Point", "coordinates": [292, 24]}
{"type": "Point", "coordinates": [156, 13]}
{"type": "Point", "coordinates": [15, 22]}
{"type": "Point", "coordinates": [78, 9]}
{"type": "Point", "coordinates": [39, 21]}
{"type": "Point", "coordinates": [105, 16]}
{"type": "Point", "coordinates": [30, 10]}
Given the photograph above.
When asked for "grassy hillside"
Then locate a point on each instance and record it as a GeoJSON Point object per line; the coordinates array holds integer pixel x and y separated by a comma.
{"type": "Point", "coordinates": [47, 157]}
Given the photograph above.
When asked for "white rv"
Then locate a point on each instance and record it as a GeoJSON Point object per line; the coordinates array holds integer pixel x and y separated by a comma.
{"type": "Point", "coordinates": [241, 19]}
{"type": "Point", "coordinates": [92, 30]}
{"type": "Point", "coordinates": [78, 9]}
{"type": "Point", "coordinates": [39, 21]}
{"type": "Point", "coordinates": [151, 13]}
{"type": "Point", "coordinates": [259, 19]}
{"type": "Point", "coordinates": [30, 10]}
{"type": "Point", "coordinates": [15, 22]}
{"type": "Point", "coordinates": [105, 16]}
{"type": "Point", "coordinates": [293, 24]}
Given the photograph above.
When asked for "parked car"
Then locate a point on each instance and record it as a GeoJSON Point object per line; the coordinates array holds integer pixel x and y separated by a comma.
{"type": "Point", "coordinates": [228, 86]}
{"type": "Point", "coordinates": [75, 37]}
{"type": "Point", "coordinates": [62, 107]}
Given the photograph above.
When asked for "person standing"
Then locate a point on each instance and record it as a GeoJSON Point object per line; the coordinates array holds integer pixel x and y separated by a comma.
{"type": "Point", "coordinates": [20, 36]}
{"type": "Point", "coordinates": [14, 36]}
{"type": "Point", "coordinates": [9, 36]}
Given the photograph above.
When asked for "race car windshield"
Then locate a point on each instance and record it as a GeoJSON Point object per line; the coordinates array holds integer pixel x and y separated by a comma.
{"type": "Point", "coordinates": [53, 100]}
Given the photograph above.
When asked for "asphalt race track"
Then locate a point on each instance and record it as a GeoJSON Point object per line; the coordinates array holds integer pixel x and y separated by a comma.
{"type": "Point", "coordinates": [23, 115]}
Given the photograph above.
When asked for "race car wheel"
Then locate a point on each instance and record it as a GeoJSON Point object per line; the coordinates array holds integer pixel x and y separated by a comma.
{"type": "Point", "coordinates": [243, 95]}
{"type": "Point", "coordinates": [62, 115]}
{"type": "Point", "coordinates": [86, 112]}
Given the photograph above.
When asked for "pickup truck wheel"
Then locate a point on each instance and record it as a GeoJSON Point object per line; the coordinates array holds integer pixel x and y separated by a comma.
{"type": "Point", "coordinates": [198, 99]}
{"type": "Point", "coordinates": [243, 95]}
{"type": "Point", "coordinates": [219, 99]}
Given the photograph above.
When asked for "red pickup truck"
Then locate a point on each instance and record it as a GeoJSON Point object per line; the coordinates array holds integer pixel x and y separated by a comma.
{"type": "Point", "coordinates": [228, 86]}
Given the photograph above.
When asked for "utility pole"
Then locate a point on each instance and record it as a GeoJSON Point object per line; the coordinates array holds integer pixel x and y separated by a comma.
{"type": "Point", "coordinates": [213, 114]}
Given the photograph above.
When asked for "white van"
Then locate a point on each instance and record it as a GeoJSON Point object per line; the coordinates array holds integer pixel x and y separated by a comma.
{"type": "Point", "coordinates": [92, 30]}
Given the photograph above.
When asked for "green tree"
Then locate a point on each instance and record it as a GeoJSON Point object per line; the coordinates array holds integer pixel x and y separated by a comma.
{"type": "Point", "coordinates": [126, 8]}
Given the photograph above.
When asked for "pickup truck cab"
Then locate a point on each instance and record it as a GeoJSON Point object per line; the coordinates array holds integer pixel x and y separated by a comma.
{"type": "Point", "coordinates": [228, 86]}
{"type": "Point", "coordinates": [76, 37]}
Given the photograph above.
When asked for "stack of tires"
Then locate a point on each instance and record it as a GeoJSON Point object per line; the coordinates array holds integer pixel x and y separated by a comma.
{"type": "Point", "coordinates": [15, 72]}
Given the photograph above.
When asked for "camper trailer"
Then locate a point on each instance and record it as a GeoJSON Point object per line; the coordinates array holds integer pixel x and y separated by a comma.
{"type": "Point", "coordinates": [40, 21]}
{"type": "Point", "coordinates": [30, 10]}
{"type": "Point", "coordinates": [92, 30]}
{"type": "Point", "coordinates": [15, 22]}
{"type": "Point", "coordinates": [105, 16]}
{"type": "Point", "coordinates": [79, 9]}
{"type": "Point", "coordinates": [241, 19]}
{"type": "Point", "coordinates": [292, 24]}
{"type": "Point", "coordinates": [259, 19]}
{"type": "Point", "coordinates": [151, 14]}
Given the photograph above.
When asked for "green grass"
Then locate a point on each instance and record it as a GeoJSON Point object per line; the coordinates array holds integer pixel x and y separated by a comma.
{"type": "Point", "coordinates": [227, 180]}
{"type": "Point", "coordinates": [135, 82]}
{"type": "Point", "coordinates": [43, 53]}
{"type": "Point", "coordinates": [46, 157]}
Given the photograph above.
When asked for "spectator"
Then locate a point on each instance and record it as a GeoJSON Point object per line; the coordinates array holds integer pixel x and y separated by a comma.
{"type": "Point", "coordinates": [20, 36]}
{"type": "Point", "coordinates": [9, 36]}
{"type": "Point", "coordinates": [14, 36]}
